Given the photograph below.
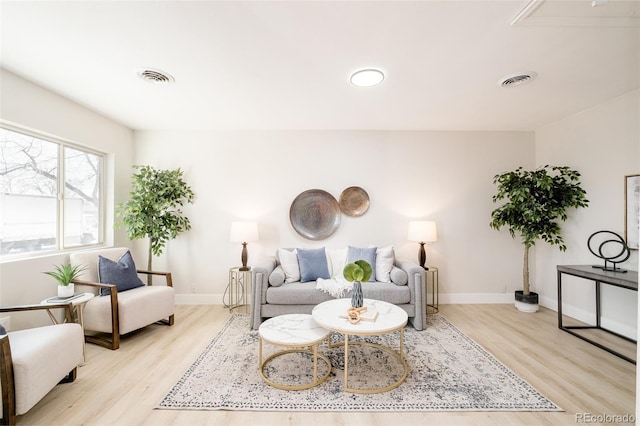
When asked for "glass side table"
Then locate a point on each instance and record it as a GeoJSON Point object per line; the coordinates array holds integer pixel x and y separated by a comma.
{"type": "Point", "coordinates": [239, 287]}
{"type": "Point", "coordinates": [431, 275]}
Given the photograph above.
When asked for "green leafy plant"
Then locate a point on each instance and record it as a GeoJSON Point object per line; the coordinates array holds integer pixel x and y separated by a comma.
{"type": "Point", "coordinates": [154, 209]}
{"type": "Point", "coordinates": [66, 274]}
{"type": "Point", "coordinates": [360, 270]}
{"type": "Point", "coordinates": [536, 201]}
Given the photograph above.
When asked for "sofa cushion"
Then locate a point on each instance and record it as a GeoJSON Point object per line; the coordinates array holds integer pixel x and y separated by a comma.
{"type": "Point", "coordinates": [305, 294]}
{"type": "Point", "coordinates": [337, 260]}
{"type": "Point", "coordinates": [289, 261]}
{"type": "Point", "coordinates": [313, 264]}
{"type": "Point", "coordinates": [384, 264]}
{"type": "Point", "coordinates": [399, 276]}
{"type": "Point", "coordinates": [122, 273]}
{"type": "Point", "coordinates": [368, 254]}
{"type": "Point", "coordinates": [276, 277]}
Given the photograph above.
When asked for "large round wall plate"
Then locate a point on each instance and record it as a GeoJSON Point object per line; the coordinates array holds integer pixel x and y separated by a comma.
{"type": "Point", "coordinates": [315, 214]}
{"type": "Point", "coordinates": [354, 201]}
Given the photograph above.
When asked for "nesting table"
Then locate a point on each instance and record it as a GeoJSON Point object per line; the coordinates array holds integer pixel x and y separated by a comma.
{"type": "Point", "coordinates": [390, 319]}
{"type": "Point", "coordinates": [293, 332]}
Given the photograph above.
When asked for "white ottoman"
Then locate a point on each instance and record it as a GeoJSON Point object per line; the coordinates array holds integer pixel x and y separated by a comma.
{"type": "Point", "coordinates": [294, 332]}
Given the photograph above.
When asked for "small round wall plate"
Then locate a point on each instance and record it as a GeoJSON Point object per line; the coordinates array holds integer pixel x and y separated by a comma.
{"type": "Point", "coordinates": [315, 214]}
{"type": "Point", "coordinates": [354, 201]}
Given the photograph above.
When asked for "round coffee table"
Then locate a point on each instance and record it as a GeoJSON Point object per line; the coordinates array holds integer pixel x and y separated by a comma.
{"type": "Point", "coordinates": [390, 319]}
{"type": "Point", "coordinates": [293, 331]}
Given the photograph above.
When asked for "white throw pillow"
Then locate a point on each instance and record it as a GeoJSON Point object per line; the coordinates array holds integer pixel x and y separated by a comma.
{"type": "Point", "coordinates": [384, 264]}
{"type": "Point", "coordinates": [337, 259]}
{"type": "Point", "coordinates": [289, 262]}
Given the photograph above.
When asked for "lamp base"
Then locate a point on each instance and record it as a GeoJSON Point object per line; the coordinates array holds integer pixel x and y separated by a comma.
{"type": "Point", "coordinates": [244, 268]}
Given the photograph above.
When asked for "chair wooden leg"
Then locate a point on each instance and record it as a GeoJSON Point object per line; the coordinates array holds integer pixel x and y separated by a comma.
{"type": "Point", "coordinates": [71, 377]}
{"type": "Point", "coordinates": [7, 383]}
{"type": "Point", "coordinates": [104, 342]}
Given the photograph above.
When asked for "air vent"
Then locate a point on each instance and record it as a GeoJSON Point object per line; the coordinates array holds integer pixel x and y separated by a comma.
{"type": "Point", "coordinates": [516, 79]}
{"type": "Point", "coordinates": [155, 76]}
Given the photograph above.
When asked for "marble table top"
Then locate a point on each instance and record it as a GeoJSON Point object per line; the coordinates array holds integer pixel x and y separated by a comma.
{"type": "Point", "coordinates": [390, 317]}
{"type": "Point", "coordinates": [292, 329]}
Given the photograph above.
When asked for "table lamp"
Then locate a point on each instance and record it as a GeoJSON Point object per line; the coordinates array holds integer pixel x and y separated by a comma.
{"type": "Point", "coordinates": [422, 231]}
{"type": "Point", "coordinates": [244, 232]}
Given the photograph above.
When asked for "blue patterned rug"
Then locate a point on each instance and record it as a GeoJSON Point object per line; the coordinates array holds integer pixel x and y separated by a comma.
{"type": "Point", "coordinates": [448, 371]}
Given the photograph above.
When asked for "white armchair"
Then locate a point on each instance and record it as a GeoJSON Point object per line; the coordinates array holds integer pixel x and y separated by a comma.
{"type": "Point", "coordinates": [121, 312]}
{"type": "Point", "coordinates": [33, 361]}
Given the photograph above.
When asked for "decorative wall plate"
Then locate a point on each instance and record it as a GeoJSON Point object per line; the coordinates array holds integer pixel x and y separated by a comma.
{"type": "Point", "coordinates": [315, 214]}
{"type": "Point", "coordinates": [354, 201]}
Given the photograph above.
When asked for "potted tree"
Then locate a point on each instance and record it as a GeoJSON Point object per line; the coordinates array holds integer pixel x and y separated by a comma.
{"type": "Point", "coordinates": [154, 209]}
{"type": "Point", "coordinates": [65, 275]}
{"type": "Point", "coordinates": [535, 202]}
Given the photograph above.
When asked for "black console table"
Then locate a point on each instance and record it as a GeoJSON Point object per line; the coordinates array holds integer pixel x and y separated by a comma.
{"type": "Point", "coordinates": [628, 280]}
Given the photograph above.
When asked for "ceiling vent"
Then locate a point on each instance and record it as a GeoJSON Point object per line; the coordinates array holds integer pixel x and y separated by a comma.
{"type": "Point", "coordinates": [155, 76]}
{"type": "Point", "coordinates": [516, 79]}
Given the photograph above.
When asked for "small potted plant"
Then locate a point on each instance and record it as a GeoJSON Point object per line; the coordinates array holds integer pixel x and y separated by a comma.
{"type": "Point", "coordinates": [65, 275]}
{"type": "Point", "coordinates": [355, 272]}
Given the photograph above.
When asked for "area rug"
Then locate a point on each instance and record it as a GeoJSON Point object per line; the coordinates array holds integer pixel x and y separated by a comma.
{"type": "Point", "coordinates": [448, 371]}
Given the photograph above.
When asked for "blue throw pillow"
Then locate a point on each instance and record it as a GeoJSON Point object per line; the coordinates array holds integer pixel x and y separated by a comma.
{"type": "Point", "coordinates": [313, 264]}
{"type": "Point", "coordinates": [121, 273]}
{"type": "Point", "coordinates": [368, 254]}
{"type": "Point", "coordinates": [3, 331]}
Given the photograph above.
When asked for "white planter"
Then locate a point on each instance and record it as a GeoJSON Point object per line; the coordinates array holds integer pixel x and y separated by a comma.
{"type": "Point", "coordinates": [66, 290]}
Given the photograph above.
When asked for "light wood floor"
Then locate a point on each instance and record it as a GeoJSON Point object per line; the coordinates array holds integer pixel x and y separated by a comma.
{"type": "Point", "coordinates": [122, 387]}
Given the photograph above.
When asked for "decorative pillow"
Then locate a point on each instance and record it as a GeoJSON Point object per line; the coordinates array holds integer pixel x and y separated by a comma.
{"type": "Point", "coordinates": [368, 254]}
{"type": "Point", "coordinates": [121, 273]}
{"type": "Point", "coordinates": [276, 278]}
{"type": "Point", "coordinates": [399, 276]}
{"type": "Point", "coordinates": [337, 260]}
{"type": "Point", "coordinates": [384, 264]}
{"type": "Point", "coordinates": [289, 261]}
{"type": "Point", "coordinates": [313, 264]}
{"type": "Point", "coordinates": [3, 331]}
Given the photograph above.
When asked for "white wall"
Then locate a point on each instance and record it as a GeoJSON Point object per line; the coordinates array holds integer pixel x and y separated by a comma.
{"type": "Point", "coordinates": [444, 176]}
{"type": "Point", "coordinates": [603, 144]}
{"type": "Point", "coordinates": [29, 105]}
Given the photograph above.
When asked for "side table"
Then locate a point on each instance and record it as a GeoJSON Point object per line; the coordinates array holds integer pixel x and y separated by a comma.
{"type": "Point", "coordinates": [77, 307]}
{"type": "Point", "coordinates": [431, 276]}
{"type": "Point", "coordinates": [239, 287]}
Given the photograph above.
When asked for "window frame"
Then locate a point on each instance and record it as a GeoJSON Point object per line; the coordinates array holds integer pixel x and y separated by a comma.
{"type": "Point", "coordinates": [63, 143]}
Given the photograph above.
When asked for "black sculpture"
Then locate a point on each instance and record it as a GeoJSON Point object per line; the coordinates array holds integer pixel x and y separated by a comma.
{"type": "Point", "coordinates": [607, 250]}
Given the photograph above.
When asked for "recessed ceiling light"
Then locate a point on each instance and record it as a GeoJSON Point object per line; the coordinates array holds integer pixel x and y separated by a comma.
{"type": "Point", "coordinates": [153, 75]}
{"type": "Point", "coordinates": [367, 77]}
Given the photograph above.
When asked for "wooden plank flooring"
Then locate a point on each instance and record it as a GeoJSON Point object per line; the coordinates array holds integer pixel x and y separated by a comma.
{"type": "Point", "coordinates": [122, 387]}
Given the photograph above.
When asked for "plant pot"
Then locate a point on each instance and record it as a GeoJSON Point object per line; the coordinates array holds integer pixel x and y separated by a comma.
{"type": "Point", "coordinates": [526, 303]}
{"type": "Point", "coordinates": [65, 290]}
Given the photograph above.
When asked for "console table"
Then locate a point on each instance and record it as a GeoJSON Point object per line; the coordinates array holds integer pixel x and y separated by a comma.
{"type": "Point", "coordinates": [628, 280]}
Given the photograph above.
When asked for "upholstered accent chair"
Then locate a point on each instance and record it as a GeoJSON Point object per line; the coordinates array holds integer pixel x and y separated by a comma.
{"type": "Point", "coordinates": [118, 312]}
{"type": "Point", "coordinates": [33, 361]}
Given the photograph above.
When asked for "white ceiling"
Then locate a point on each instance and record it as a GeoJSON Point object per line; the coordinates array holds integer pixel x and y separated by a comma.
{"type": "Point", "coordinates": [286, 65]}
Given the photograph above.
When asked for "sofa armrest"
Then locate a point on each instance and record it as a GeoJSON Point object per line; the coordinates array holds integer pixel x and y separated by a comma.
{"type": "Point", "coordinates": [260, 272]}
{"type": "Point", "coordinates": [418, 288]}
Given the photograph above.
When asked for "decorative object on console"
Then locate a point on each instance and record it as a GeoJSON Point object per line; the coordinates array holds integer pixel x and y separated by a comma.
{"type": "Point", "coordinates": [244, 232]}
{"type": "Point", "coordinates": [65, 275]}
{"type": "Point", "coordinates": [536, 200]}
{"type": "Point", "coordinates": [632, 210]}
{"type": "Point", "coordinates": [356, 272]}
{"type": "Point", "coordinates": [354, 201]}
{"type": "Point", "coordinates": [422, 231]}
{"type": "Point", "coordinates": [315, 214]}
{"type": "Point", "coordinates": [607, 249]}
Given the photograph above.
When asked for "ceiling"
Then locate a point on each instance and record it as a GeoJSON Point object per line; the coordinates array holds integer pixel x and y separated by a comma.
{"type": "Point", "coordinates": [286, 65]}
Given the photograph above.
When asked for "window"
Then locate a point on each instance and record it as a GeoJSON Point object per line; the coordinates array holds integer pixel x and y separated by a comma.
{"type": "Point", "coordinates": [50, 194]}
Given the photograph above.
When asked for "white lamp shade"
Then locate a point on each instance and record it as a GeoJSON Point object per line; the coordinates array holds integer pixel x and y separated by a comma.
{"type": "Point", "coordinates": [423, 231]}
{"type": "Point", "coordinates": [244, 232]}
